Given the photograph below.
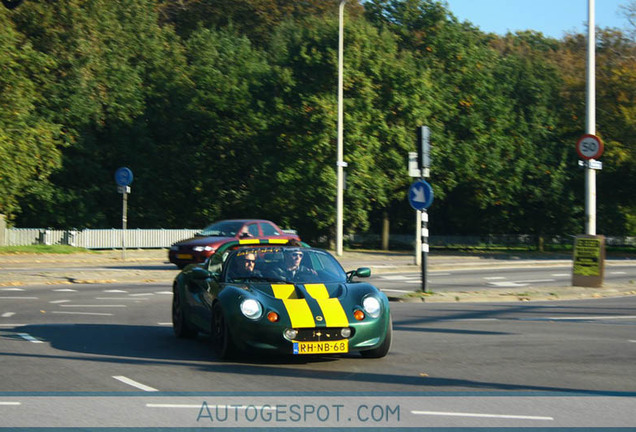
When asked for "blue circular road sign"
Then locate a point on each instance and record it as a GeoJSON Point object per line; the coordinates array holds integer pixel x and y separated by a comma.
{"type": "Point", "coordinates": [420, 195]}
{"type": "Point", "coordinates": [123, 176]}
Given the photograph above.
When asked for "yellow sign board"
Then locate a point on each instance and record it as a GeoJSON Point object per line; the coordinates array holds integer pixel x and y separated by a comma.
{"type": "Point", "coordinates": [589, 261]}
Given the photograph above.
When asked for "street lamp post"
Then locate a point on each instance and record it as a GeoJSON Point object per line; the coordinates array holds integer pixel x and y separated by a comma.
{"type": "Point", "coordinates": [340, 164]}
{"type": "Point", "coordinates": [590, 120]}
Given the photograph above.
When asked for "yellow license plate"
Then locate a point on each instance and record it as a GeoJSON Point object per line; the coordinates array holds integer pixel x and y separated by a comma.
{"type": "Point", "coordinates": [184, 256]}
{"type": "Point", "coordinates": [327, 347]}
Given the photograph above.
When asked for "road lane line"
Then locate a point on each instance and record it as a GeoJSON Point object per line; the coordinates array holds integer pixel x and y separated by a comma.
{"type": "Point", "coordinates": [120, 298]}
{"type": "Point", "coordinates": [8, 314]}
{"type": "Point", "coordinates": [394, 290]}
{"type": "Point", "coordinates": [29, 338]}
{"type": "Point", "coordinates": [17, 298]}
{"type": "Point", "coordinates": [495, 277]}
{"type": "Point", "coordinates": [561, 274]}
{"type": "Point", "coordinates": [9, 403]}
{"type": "Point", "coordinates": [92, 306]}
{"type": "Point", "coordinates": [499, 416]}
{"type": "Point", "coordinates": [59, 301]}
{"type": "Point", "coordinates": [82, 313]}
{"type": "Point", "coordinates": [65, 290]}
{"type": "Point", "coordinates": [164, 292]}
{"type": "Point", "coordinates": [536, 280]}
{"type": "Point", "coordinates": [134, 383]}
{"type": "Point", "coordinates": [141, 294]}
{"type": "Point", "coordinates": [607, 317]}
{"type": "Point", "coordinates": [115, 291]}
{"type": "Point", "coordinates": [394, 277]}
{"type": "Point", "coordinates": [191, 406]}
{"type": "Point", "coordinates": [169, 324]}
{"type": "Point", "coordinates": [11, 289]}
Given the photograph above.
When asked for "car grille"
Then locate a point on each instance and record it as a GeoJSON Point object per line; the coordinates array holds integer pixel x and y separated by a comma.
{"type": "Point", "coordinates": [320, 334]}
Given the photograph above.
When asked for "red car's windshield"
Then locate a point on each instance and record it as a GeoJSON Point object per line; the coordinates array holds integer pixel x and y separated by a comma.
{"type": "Point", "coordinates": [221, 229]}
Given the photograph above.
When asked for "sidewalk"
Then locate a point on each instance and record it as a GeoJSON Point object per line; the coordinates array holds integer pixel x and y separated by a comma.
{"type": "Point", "coordinates": [152, 266]}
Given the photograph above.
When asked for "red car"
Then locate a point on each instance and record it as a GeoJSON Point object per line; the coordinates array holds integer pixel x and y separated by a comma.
{"type": "Point", "coordinates": [205, 243]}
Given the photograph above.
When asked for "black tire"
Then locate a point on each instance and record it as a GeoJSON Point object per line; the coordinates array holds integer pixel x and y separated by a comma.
{"type": "Point", "coordinates": [180, 326]}
{"type": "Point", "coordinates": [384, 348]}
{"type": "Point", "coordinates": [221, 338]}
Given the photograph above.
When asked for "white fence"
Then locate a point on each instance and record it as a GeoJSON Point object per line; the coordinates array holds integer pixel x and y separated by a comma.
{"type": "Point", "coordinates": [98, 238]}
{"type": "Point", "coordinates": [163, 238]}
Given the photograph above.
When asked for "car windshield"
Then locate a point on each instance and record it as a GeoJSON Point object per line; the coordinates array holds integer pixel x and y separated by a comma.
{"type": "Point", "coordinates": [282, 264]}
{"type": "Point", "coordinates": [221, 229]}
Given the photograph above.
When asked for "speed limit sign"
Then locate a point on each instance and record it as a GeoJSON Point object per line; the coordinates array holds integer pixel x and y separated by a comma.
{"type": "Point", "coordinates": [589, 147]}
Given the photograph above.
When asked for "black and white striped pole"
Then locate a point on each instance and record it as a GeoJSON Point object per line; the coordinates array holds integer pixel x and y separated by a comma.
{"type": "Point", "coordinates": [421, 196]}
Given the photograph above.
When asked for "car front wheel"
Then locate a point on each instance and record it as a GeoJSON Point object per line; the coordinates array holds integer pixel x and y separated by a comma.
{"type": "Point", "coordinates": [179, 324]}
{"type": "Point", "coordinates": [221, 338]}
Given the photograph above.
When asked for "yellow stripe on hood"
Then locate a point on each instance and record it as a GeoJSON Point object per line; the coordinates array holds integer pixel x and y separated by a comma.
{"type": "Point", "coordinates": [297, 309]}
{"type": "Point", "coordinates": [332, 310]}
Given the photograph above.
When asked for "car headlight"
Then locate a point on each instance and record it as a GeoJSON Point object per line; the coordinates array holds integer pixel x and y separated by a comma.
{"type": "Point", "coordinates": [251, 308]}
{"type": "Point", "coordinates": [202, 248]}
{"type": "Point", "coordinates": [371, 306]}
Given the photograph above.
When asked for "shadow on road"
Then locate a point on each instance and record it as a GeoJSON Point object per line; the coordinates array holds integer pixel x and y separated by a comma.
{"type": "Point", "coordinates": [155, 345]}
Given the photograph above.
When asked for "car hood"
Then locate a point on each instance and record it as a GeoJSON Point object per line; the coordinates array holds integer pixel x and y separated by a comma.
{"type": "Point", "coordinates": [202, 241]}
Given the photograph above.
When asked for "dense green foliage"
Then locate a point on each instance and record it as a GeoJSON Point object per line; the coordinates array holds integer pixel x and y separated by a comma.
{"type": "Point", "coordinates": [228, 109]}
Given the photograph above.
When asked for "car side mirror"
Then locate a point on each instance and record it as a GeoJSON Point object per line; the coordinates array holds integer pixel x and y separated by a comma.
{"type": "Point", "coordinates": [362, 272]}
{"type": "Point", "coordinates": [199, 273]}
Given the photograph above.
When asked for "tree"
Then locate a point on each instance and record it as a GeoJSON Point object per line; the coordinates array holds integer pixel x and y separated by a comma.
{"type": "Point", "coordinates": [29, 144]}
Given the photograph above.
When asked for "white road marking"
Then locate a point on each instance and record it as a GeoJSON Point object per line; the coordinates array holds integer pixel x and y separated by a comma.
{"type": "Point", "coordinates": [507, 284]}
{"type": "Point", "coordinates": [495, 277]}
{"type": "Point", "coordinates": [150, 405]}
{"type": "Point", "coordinates": [633, 341]}
{"type": "Point", "coordinates": [141, 295]}
{"type": "Point", "coordinates": [618, 273]}
{"type": "Point", "coordinates": [9, 403]}
{"type": "Point", "coordinates": [164, 292]}
{"type": "Point", "coordinates": [59, 301]}
{"type": "Point", "coordinates": [120, 298]}
{"type": "Point", "coordinates": [259, 407]}
{"type": "Point", "coordinates": [394, 277]}
{"type": "Point", "coordinates": [164, 323]}
{"type": "Point", "coordinates": [93, 306]}
{"type": "Point", "coordinates": [536, 280]}
{"type": "Point", "coordinates": [413, 281]}
{"type": "Point", "coordinates": [114, 291]}
{"type": "Point", "coordinates": [8, 314]}
{"type": "Point", "coordinates": [11, 289]}
{"type": "Point", "coordinates": [607, 317]}
{"type": "Point", "coordinates": [17, 298]}
{"type": "Point", "coordinates": [561, 274]}
{"type": "Point", "coordinates": [82, 313]}
{"type": "Point", "coordinates": [134, 383]}
{"type": "Point", "coordinates": [398, 291]}
{"type": "Point", "coordinates": [500, 416]}
{"type": "Point", "coordinates": [65, 290]}
{"type": "Point", "coordinates": [29, 338]}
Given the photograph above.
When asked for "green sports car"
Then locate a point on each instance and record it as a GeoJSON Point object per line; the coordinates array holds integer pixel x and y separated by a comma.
{"type": "Point", "coordinates": [272, 296]}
